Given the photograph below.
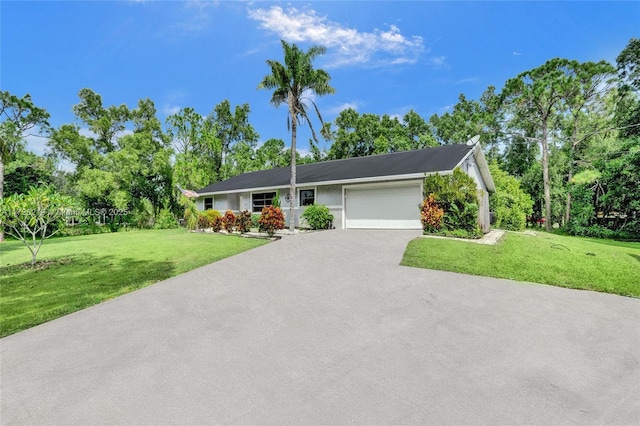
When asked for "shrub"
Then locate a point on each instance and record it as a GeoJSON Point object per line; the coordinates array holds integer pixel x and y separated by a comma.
{"type": "Point", "coordinates": [456, 187]}
{"type": "Point", "coordinates": [210, 218]}
{"type": "Point", "coordinates": [215, 223]}
{"type": "Point", "coordinates": [318, 216]}
{"type": "Point", "coordinates": [213, 216]}
{"type": "Point", "coordinates": [271, 220]}
{"type": "Point", "coordinates": [276, 200]}
{"type": "Point", "coordinates": [229, 221]}
{"type": "Point", "coordinates": [456, 195]}
{"type": "Point", "coordinates": [510, 204]}
{"type": "Point", "coordinates": [462, 216]}
{"type": "Point", "coordinates": [431, 214]}
{"type": "Point", "coordinates": [143, 214]}
{"type": "Point", "coordinates": [243, 221]}
{"type": "Point", "coordinates": [255, 220]}
{"type": "Point", "coordinates": [191, 214]}
{"type": "Point", "coordinates": [165, 220]}
{"type": "Point", "coordinates": [203, 221]}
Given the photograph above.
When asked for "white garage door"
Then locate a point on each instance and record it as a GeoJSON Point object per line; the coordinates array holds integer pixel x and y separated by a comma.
{"type": "Point", "coordinates": [383, 207]}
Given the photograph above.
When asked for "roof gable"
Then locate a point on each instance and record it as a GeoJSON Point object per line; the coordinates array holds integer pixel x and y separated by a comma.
{"type": "Point", "coordinates": [428, 160]}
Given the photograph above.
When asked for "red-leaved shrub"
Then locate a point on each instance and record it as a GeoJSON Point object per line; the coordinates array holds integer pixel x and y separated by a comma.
{"type": "Point", "coordinates": [243, 221]}
{"type": "Point", "coordinates": [228, 221]}
{"type": "Point", "coordinates": [271, 220]}
{"type": "Point", "coordinates": [431, 214]}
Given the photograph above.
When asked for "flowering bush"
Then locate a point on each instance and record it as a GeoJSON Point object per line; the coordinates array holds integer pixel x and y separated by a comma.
{"type": "Point", "coordinates": [431, 214]}
{"type": "Point", "coordinates": [271, 220]}
{"type": "Point", "coordinates": [228, 221]}
{"type": "Point", "coordinates": [243, 221]}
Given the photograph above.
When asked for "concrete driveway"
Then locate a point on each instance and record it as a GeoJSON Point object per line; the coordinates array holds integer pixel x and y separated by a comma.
{"type": "Point", "coordinates": [326, 328]}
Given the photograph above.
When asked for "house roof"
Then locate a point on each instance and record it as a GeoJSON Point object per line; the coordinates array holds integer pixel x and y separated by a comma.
{"type": "Point", "coordinates": [428, 160]}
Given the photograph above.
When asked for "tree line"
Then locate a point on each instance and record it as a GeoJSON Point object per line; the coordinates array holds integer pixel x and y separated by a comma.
{"type": "Point", "coordinates": [569, 132]}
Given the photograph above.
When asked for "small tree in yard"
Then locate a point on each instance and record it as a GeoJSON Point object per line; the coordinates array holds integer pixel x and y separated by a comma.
{"type": "Point", "coordinates": [35, 216]}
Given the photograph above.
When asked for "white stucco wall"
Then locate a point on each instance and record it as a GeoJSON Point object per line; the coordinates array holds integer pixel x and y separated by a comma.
{"type": "Point", "coordinates": [220, 203]}
{"type": "Point", "coordinates": [472, 169]}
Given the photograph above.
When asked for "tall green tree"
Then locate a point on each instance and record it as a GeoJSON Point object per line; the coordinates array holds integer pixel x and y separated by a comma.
{"type": "Point", "coordinates": [17, 115]}
{"type": "Point", "coordinates": [418, 131]}
{"type": "Point", "coordinates": [26, 170]}
{"type": "Point", "coordinates": [585, 90]}
{"type": "Point", "coordinates": [292, 82]}
{"type": "Point", "coordinates": [533, 99]}
{"type": "Point", "coordinates": [106, 123]}
{"type": "Point", "coordinates": [359, 135]}
{"type": "Point", "coordinates": [124, 162]}
{"type": "Point", "coordinates": [270, 155]}
{"type": "Point", "coordinates": [628, 105]}
{"type": "Point", "coordinates": [468, 119]}
{"type": "Point", "coordinates": [197, 149]}
{"type": "Point", "coordinates": [620, 182]}
{"type": "Point", "coordinates": [235, 134]}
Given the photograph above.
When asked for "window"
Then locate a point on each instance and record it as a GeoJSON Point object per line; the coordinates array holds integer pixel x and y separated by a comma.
{"type": "Point", "coordinates": [260, 200]}
{"type": "Point", "coordinates": [307, 197]}
{"type": "Point", "coordinates": [208, 203]}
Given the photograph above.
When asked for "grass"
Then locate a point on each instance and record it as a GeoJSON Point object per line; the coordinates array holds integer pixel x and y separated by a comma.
{"type": "Point", "coordinates": [565, 261]}
{"type": "Point", "coordinates": [76, 272]}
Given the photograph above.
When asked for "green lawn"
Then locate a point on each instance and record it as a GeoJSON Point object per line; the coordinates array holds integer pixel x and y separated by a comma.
{"type": "Point", "coordinates": [78, 272]}
{"type": "Point", "coordinates": [583, 263]}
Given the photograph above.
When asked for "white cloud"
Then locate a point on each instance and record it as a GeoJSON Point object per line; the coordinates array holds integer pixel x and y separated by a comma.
{"type": "Point", "coordinates": [439, 62]}
{"type": "Point", "coordinates": [201, 4]}
{"type": "Point", "coordinates": [339, 108]}
{"type": "Point", "coordinates": [83, 131]}
{"type": "Point", "coordinates": [192, 18]}
{"type": "Point", "coordinates": [347, 46]}
{"type": "Point", "coordinates": [467, 80]}
{"type": "Point", "coordinates": [302, 151]}
{"type": "Point", "coordinates": [35, 143]}
{"type": "Point", "coordinates": [517, 53]}
{"type": "Point", "coordinates": [170, 109]}
{"type": "Point", "coordinates": [38, 145]}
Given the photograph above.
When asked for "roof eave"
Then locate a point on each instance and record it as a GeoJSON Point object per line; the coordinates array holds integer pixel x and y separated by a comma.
{"type": "Point", "coordinates": [484, 168]}
{"type": "Point", "coordinates": [373, 179]}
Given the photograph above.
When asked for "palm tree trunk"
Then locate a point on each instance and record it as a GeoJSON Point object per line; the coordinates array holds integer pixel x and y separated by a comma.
{"type": "Point", "coordinates": [292, 185]}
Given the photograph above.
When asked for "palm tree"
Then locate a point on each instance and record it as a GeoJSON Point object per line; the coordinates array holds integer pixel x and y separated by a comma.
{"type": "Point", "coordinates": [292, 82]}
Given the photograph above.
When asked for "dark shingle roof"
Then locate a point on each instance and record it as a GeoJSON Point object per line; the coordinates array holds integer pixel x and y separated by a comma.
{"type": "Point", "coordinates": [438, 159]}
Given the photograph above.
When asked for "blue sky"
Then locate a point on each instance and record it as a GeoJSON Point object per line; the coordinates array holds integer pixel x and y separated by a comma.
{"type": "Point", "coordinates": [384, 57]}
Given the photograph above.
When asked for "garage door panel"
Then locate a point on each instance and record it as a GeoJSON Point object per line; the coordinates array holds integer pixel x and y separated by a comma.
{"type": "Point", "coordinates": [389, 207]}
